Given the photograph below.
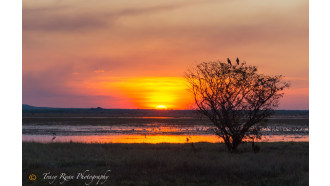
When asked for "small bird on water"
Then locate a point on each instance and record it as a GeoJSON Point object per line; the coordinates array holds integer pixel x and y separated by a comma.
{"type": "Point", "coordinates": [54, 136]}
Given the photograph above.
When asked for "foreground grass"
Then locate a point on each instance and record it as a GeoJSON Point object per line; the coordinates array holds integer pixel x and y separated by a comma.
{"type": "Point", "coordinates": [169, 164]}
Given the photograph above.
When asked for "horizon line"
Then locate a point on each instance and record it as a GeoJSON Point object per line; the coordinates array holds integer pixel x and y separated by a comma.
{"type": "Point", "coordinates": [132, 108]}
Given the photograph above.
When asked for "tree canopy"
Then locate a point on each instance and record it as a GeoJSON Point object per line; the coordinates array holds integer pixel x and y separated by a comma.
{"type": "Point", "coordinates": [235, 97]}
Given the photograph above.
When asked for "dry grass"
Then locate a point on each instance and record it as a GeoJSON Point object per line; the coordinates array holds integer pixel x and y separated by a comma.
{"type": "Point", "coordinates": [171, 164]}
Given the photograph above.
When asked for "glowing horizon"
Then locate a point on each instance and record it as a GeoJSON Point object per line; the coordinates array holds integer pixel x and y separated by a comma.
{"type": "Point", "coordinates": [115, 54]}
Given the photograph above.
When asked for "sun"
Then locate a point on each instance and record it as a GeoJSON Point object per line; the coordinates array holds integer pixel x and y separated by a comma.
{"type": "Point", "coordinates": [161, 107]}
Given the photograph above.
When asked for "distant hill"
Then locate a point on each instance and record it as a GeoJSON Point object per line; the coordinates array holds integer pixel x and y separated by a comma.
{"type": "Point", "coordinates": [25, 106]}
{"type": "Point", "coordinates": [29, 107]}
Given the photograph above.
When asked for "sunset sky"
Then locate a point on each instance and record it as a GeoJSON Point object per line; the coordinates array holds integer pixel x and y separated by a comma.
{"type": "Point", "coordinates": [133, 54]}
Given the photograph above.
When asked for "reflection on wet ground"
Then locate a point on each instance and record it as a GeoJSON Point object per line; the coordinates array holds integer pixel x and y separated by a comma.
{"type": "Point", "coordinates": [149, 129]}
{"type": "Point", "coordinates": [132, 138]}
{"type": "Point", "coordinates": [150, 133]}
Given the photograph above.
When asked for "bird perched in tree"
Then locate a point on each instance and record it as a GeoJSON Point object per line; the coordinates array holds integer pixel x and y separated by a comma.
{"type": "Point", "coordinates": [228, 60]}
{"type": "Point", "coordinates": [237, 61]}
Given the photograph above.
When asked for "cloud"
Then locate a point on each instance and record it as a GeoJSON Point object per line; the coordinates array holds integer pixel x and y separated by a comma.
{"type": "Point", "coordinates": [67, 45]}
{"type": "Point", "coordinates": [98, 71]}
{"type": "Point", "coordinates": [60, 18]}
{"type": "Point", "coordinates": [56, 23]}
{"type": "Point", "coordinates": [56, 87]}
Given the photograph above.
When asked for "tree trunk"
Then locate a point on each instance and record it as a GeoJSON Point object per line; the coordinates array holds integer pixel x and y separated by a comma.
{"type": "Point", "coordinates": [235, 145]}
{"type": "Point", "coordinates": [229, 146]}
{"type": "Point", "coordinates": [232, 146]}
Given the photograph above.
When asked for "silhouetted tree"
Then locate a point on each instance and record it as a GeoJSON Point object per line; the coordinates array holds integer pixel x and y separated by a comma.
{"type": "Point", "coordinates": [236, 98]}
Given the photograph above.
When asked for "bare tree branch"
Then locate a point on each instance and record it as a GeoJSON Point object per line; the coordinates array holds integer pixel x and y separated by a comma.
{"type": "Point", "coordinates": [236, 98]}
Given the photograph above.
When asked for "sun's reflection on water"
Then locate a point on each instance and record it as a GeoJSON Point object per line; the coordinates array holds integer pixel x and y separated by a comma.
{"type": "Point", "coordinates": [153, 139]}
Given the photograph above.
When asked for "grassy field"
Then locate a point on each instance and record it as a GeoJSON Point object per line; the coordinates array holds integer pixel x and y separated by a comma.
{"type": "Point", "coordinates": [169, 164]}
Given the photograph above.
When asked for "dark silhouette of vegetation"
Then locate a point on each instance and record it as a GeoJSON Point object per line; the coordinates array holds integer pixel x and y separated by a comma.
{"type": "Point", "coordinates": [167, 164]}
{"type": "Point", "coordinates": [235, 97]}
{"type": "Point", "coordinates": [255, 147]}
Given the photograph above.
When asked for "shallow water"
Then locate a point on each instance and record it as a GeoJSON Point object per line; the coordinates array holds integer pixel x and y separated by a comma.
{"type": "Point", "coordinates": [122, 138]}
{"type": "Point", "coordinates": [150, 133]}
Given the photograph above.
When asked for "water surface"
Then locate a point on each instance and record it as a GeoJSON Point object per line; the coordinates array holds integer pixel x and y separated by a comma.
{"type": "Point", "coordinates": [147, 130]}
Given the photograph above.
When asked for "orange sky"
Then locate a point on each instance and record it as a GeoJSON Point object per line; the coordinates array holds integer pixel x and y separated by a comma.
{"type": "Point", "coordinates": [132, 54]}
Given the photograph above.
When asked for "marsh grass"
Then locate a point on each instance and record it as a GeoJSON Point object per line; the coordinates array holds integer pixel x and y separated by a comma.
{"type": "Point", "coordinates": [170, 164]}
